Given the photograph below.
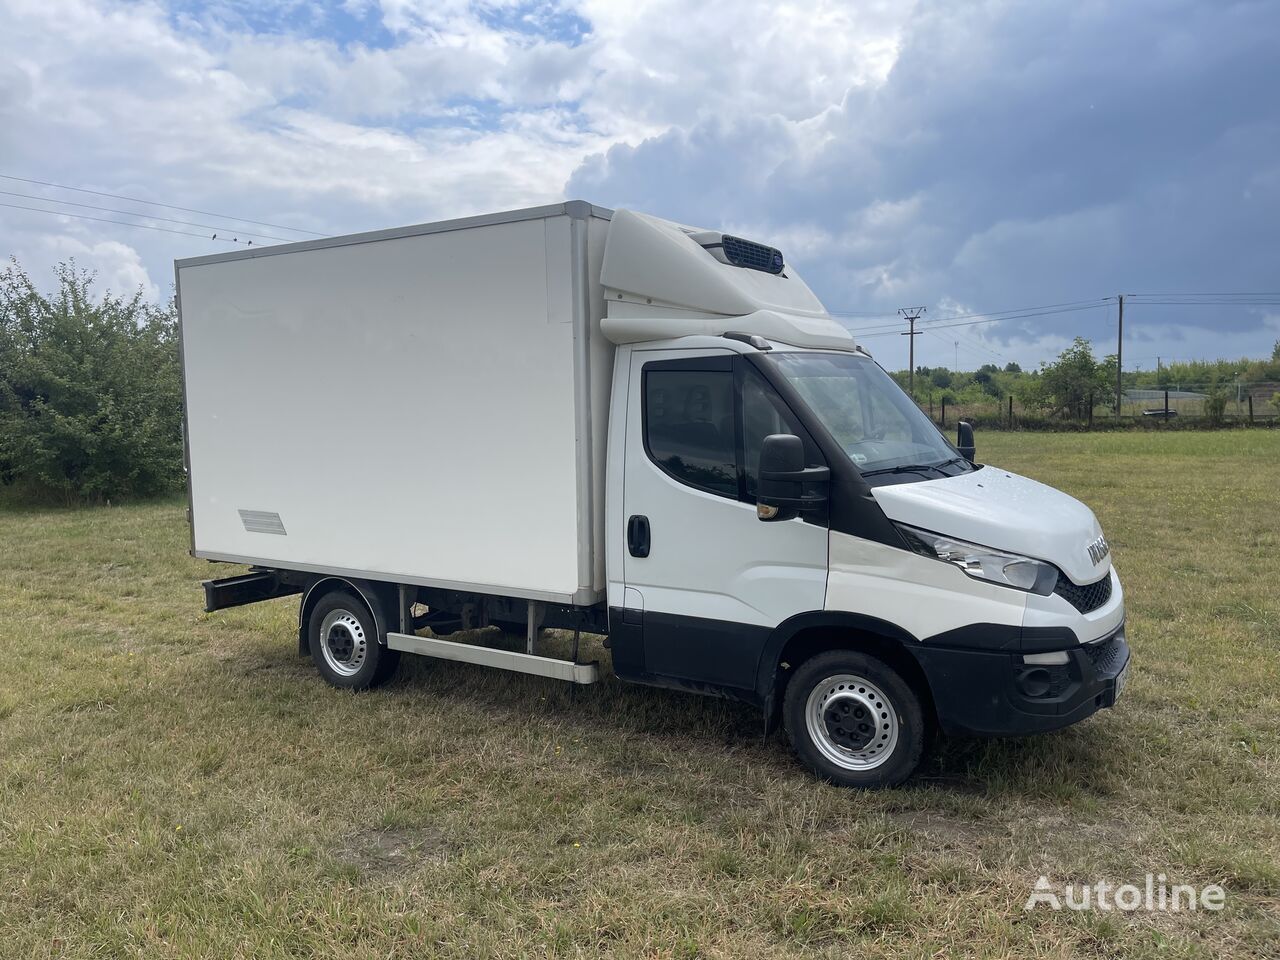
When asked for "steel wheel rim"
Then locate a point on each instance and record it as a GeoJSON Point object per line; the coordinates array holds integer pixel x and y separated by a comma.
{"type": "Point", "coordinates": [343, 643]}
{"type": "Point", "coordinates": [836, 713]}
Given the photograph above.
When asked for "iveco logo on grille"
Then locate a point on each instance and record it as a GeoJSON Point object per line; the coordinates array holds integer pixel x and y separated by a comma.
{"type": "Point", "coordinates": [1098, 550]}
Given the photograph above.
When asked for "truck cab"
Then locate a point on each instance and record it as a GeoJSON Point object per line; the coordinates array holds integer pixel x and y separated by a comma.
{"type": "Point", "coordinates": [787, 527]}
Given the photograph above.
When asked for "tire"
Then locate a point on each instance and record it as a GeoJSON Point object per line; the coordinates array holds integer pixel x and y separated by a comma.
{"type": "Point", "coordinates": [853, 720]}
{"type": "Point", "coordinates": [345, 645]}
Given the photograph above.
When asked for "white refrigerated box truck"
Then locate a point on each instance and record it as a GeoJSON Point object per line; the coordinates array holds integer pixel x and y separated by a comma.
{"type": "Point", "coordinates": [576, 418]}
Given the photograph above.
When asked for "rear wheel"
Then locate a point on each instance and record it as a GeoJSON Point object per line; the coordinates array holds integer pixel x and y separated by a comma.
{"type": "Point", "coordinates": [853, 720]}
{"type": "Point", "coordinates": [344, 643]}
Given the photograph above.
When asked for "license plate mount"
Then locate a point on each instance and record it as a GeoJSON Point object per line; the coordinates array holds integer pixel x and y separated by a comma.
{"type": "Point", "coordinates": [1121, 679]}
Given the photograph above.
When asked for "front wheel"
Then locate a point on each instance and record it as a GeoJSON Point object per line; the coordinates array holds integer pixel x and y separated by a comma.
{"type": "Point", "coordinates": [853, 720]}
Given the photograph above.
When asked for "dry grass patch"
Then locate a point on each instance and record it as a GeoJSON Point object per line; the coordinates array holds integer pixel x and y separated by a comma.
{"type": "Point", "coordinates": [174, 784]}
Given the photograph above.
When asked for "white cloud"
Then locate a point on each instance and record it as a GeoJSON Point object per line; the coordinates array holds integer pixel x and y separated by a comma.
{"type": "Point", "coordinates": [470, 108]}
{"type": "Point", "coordinates": [118, 267]}
{"type": "Point", "coordinates": [899, 151]}
{"type": "Point", "coordinates": [669, 62]}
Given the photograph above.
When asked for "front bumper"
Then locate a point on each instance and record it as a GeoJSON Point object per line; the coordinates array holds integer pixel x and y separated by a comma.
{"type": "Point", "coordinates": [993, 692]}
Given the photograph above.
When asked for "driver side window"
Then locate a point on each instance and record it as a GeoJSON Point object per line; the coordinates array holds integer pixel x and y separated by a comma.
{"type": "Point", "coordinates": [704, 424]}
{"type": "Point", "coordinates": [689, 428]}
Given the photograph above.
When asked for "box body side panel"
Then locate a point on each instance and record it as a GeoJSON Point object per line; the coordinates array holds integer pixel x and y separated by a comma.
{"type": "Point", "coordinates": [402, 408]}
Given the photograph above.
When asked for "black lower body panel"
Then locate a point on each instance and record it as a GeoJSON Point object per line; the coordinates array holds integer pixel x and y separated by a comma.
{"type": "Point", "coordinates": [996, 693]}
{"type": "Point", "coordinates": [714, 657]}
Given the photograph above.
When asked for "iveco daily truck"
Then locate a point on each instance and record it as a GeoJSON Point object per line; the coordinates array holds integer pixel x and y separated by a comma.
{"type": "Point", "coordinates": [575, 418]}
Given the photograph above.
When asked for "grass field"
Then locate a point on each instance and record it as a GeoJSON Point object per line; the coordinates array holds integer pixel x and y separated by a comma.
{"type": "Point", "coordinates": [178, 784]}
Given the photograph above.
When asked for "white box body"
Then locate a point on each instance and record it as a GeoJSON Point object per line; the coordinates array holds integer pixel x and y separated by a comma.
{"type": "Point", "coordinates": [425, 405]}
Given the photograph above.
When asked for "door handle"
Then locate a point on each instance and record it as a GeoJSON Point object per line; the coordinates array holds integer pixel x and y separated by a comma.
{"type": "Point", "coordinates": [638, 536]}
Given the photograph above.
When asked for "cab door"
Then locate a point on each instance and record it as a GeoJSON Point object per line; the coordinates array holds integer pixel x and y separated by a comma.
{"type": "Point", "coordinates": [709, 578]}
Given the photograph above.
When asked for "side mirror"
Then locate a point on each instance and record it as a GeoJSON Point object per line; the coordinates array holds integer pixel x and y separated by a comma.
{"type": "Point", "coordinates": [964, 440]}
{"type": "Point", "coordinates": [781, 492]}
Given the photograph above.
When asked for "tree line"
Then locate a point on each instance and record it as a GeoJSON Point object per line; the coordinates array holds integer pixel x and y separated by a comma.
{"type": "Point", "coordinates": [90, 389]}
{"type": "Point", "coordinates": [1077, 381]}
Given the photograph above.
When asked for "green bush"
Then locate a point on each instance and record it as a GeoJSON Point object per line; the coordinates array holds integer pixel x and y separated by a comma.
{"type": "Point", "coordinates": [1215, 403]}
{"type": "Point", "coordinates": [90, 389]}
{"type": "Point", "coordinates": [1068, 387]}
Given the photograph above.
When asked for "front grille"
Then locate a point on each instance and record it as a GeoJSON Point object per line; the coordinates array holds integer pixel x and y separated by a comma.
{"type": "Point", "coordinates": [755, 256]}
{"type": "Point", "coordinates": [1106, 657]}
{"type": "Point", "coordinates": [1085, 598]}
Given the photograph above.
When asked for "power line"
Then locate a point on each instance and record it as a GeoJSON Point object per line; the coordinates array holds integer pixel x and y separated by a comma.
{"type": "Point", "coordinates": [965, 338]}
{"type": "Point", "coordinates": [1081, 304]}
{"type": "Point", "coordinates": [156, 203]}
{"type": "Point", "coordinates": [1257, 302]}
{"type": "Point", "coordinates": [1247, 299]}
{"type": "Point", "coordinates": [972, 323]}
{"type": "Point", "coordinates": [965, 320]}
{"type": "Point", "coordinates": [123, 223]}
{"type": "Point", "coordinates": [1023, 316]}
{"type": "Point", "coordinates": [997, 314]}
{"type": "Point", "coordinates": [130, 213]}
{"type": "Point", "coordinates": [1273, 294]}
{"type": "Point", "coordinates": [973, 346]}
{"type": "Point", "coordinates": [938, 336]}
{"type": "Point", "coordinates": [1012, 314]}
{"type": "Point", "coordinates": [1070, 306]}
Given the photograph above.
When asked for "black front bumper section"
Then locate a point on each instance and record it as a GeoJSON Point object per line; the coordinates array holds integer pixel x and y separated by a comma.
{"type": "Point", "coordinates": [995, 693]}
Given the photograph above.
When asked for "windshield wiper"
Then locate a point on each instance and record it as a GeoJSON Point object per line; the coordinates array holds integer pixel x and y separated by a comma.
{"type": "Point", "coordinates": [915, 468]}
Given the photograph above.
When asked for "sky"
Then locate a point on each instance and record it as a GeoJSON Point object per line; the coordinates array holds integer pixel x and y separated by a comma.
{"type": "Point", "coordinates": [970, 157]}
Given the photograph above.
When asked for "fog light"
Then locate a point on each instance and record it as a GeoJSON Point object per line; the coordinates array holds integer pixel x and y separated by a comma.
{"type": "Point", "coordinates": [1036, 683]}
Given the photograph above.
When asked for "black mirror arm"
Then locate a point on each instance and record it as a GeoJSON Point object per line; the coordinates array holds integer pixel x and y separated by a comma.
{"type": "Point", "coordinates": [805, 475]}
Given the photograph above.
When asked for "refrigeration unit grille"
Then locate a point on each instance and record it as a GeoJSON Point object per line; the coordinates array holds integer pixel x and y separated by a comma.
{"type": "Point", "coordinates": [754, 256]}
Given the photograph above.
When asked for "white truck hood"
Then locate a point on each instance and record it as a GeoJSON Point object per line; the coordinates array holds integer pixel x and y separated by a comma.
{"type": "Point", "coordinates": [996, 508]}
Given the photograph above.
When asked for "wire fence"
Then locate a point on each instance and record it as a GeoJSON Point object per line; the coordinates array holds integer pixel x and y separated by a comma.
{"type": "Point", "coordinates": [1191, 405]}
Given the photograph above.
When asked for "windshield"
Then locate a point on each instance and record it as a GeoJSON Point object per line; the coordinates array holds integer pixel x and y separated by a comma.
{"type": "Point", "coordinates": [868, 414]}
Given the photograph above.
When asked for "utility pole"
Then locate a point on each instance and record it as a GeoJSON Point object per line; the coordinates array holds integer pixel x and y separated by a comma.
{"type": "Point", "coordinates": [911, 315]}
{"type": "Point", "coordinates": [957, 366]}
{"type": "Point", "coordinates": [1119, 354]}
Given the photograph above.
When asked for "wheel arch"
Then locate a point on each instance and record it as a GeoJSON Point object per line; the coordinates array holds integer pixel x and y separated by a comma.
{"type": "Point", "coordinates": [804, 635]}
{"type": "Point", "coordinates": [379, 599]}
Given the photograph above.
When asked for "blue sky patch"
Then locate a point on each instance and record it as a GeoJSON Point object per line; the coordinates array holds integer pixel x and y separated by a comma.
{"type": "Point", "coordinates": [333, 22]}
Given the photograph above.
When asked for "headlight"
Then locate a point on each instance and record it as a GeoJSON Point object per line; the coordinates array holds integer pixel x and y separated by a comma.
{"type": "Point", "coordinates": [983, 563]}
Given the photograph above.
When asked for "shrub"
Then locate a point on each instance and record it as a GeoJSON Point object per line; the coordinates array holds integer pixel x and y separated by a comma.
{"type": "Point", "coordinates": [1215, 403]}
{"type": "Point", "coordinates": [90, 389]}
{"type": "Point", "coordinates": [1068, 386]}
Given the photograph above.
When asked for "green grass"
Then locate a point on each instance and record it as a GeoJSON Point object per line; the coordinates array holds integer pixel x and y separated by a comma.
{"type": "Point", "coordinates": [177, 784]}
